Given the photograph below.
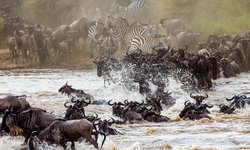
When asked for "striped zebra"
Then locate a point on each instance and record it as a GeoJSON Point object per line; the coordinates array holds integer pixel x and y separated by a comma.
{"type": "Point", "coordinates": [137, 6]}
{"type": "Point", "coordinates": [122, 32]}
{"type": "Point", "coordinates": [92, 32]}
{"type": "Point", "coordinates": [146, 44]}
{"type": "Point", "coordinates": [96, 33]}
{"type": "Point", "coordinates": [118, 30]}
{"type": "Point", "coordinates": [137, 29]}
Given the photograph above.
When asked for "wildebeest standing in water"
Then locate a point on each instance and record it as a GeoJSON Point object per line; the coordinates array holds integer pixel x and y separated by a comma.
{"type": "Point", "coordinates": [27, 121]}
{"type": "Point", "coordinates": [61, 131]}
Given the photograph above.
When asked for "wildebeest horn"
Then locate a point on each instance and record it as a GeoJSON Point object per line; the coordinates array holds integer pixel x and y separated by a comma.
{"type": "Point", "coordinates": [140, 103]}
{"type": "Point", "coordinates": [110, 103]}
{"type": "Point", "coordinates": [186, 102]}
{"type": "Point", "coordinates": [206, 95]}
{"type": "Point", "coordinates": [191, 95]}
{"type": "Point", "coordinates": [74, 100]}
{"type": "Point", "coordinates": [229, 99]}
{"type": "Point", "coordinates": [243, 96]}
{"type": "Point", "coordinates": [221, 105]}
{"type": "Point", "coordinates": [96, 116]}
{"type": "Point", "coordinates": [65, 105]}
{"type": "Point", "coordinates": [209, 106]}
{"type": "Point", "coordinates": [113, 121]}
{"type": "Point", "coordinates": [126, 102]}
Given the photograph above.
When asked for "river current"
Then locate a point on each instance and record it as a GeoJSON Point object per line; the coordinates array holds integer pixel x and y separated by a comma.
{"type": "Point", "coordinates": [227, 132]}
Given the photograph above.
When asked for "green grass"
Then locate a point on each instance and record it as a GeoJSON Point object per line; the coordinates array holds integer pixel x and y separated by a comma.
{"type": "Point", "coordinates": [225, 17]}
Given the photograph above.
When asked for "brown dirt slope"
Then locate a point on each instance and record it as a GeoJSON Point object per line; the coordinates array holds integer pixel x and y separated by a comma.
{"type": "Point", "coordinates": [79, 60]}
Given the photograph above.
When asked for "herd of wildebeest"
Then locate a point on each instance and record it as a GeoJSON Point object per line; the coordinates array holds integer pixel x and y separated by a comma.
{"type": "Point", "coordinates": [221, 56]}
{"type": "Point", "coordinates": [38, 125]}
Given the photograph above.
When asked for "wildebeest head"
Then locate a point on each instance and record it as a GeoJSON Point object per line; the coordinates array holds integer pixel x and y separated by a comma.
{"type": "Point", "coordinates": [104, 125]}
{"type": "Point", "coordinates": [239, 101]}
{"type": "Point", "coordinates": [198, 98]}
{"type": "Point", "coordinates": [236, 97]}
{"type": "Point", "coordinates": [117, 108]}
{"type": "Point", "coordinates": [9, 124]}
{"type": "Point", "coordinates": [226, 109]}
{"type": "Point", "coordinates": [73, 112]}
{"type": "Point", "coordinates": [65, 89]}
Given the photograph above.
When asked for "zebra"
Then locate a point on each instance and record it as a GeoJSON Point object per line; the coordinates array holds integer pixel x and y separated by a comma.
{"type": "Point", "coordinates": [147, 44]}
{"type": "Point", "coordinates": [137, 29]}
{"type": "Point", "coordinates": [136, 10]}
{"type": "Point", "coordinates": [118, 29]}
{"type": "Point", "coordinates": [121, 32]}
{"type": "Point", "coordinates": [96, 33]}
{"type": "Point", "coordinates": [137, 6]}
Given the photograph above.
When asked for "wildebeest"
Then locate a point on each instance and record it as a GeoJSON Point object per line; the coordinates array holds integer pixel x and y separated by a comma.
{"type": "Point", "coordinates": [153, 117]}
{"type": "Point", "coordinates": [195, 112]}
{"type": "Point", "coordinates": [239, 101]}
{"type": "Point", "coordinates": [117, 108]}
{"type": "Point", "coordinates": [105, 66]}
{"type": "Point", "coordinates": [226, 109]}
{"type": "Point", "coordinates": [80, 27]}
{"type": "Point", "coordinates": [60, 34]}
{"type": "Point", "coordinates": [27, 121]}
{"type": "Point", "coordinates": [16, 103]}
{"type": "Point", "coordinates": [131, 116]}
{"type": "Point", "coordinates": [229, 68]}
{"type": "Point", "coordinates": [76, 111]}
{"type": "Point", "coordinates": [64, 49]}
{"type": "Point", "coordinates": [104, 126]}
{"type": "Point", "coordinates": [61, 131]}
{"type": "Point", "coordinates": [13, 48]}
{"type": "Point", "coordinates": [67, 89]}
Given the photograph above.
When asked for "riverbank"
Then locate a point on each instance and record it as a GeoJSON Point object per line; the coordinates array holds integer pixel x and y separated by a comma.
{"type": "Point", "coordinates": [79, 60]}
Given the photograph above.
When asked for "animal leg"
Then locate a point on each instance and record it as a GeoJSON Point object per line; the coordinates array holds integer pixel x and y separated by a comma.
{"type": "Point", "coordinates": [73, 145]}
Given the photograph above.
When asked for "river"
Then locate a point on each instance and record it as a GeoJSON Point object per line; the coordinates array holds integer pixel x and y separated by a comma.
{"type": "Point", "coordinates": [221, 132]}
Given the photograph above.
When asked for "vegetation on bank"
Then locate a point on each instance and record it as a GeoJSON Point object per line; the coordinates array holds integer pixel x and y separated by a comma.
{"type": "Point", "coordinates": [204, 16]}
{"type": "Point", "coordinates": [209, 16]}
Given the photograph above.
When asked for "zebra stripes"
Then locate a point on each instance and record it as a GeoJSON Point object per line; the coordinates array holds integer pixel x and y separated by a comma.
{"type": "Point", "coordinates": [92, 32]}
{"type": "Point", "coordinates": [146, 44]}
{"type": "Point", "coordinates": [137, 6]}
{"type": "Point", "coordinates": [123, 33]}
{"type": "Point", "coordinates": [135, 30]}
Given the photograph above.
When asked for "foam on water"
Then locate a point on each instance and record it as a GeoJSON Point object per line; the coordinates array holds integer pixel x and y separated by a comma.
{"type": "Point", "coordinates": [222, 132]}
